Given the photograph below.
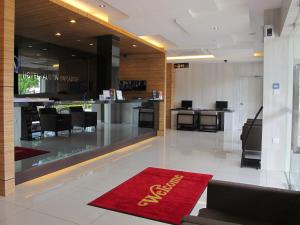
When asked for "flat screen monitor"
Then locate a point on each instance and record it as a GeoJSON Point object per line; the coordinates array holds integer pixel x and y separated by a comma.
{"type": "Point", "coordinates": [186, 104]}
{"type": "Point", "coordinates": [221, 104]}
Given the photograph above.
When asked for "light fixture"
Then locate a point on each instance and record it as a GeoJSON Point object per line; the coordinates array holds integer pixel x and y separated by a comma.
{"type": "Point", "coordinates": [73, 55]}
{"type": "Point", "coordinates": [258, 54]}
{"type": "Point", "coordinates": [102, 6]}
{"type": "Point", "coordinates": [44, 49]}
{"type": "Point", "coordinates": [78, 40]}
{"type": "Point", "coordinates": [58, 34]}
{"type": "Point", "coordinates": [91, 44]}
{"type": "Point", "coordinates": [152, 41]}
{"type": "Point", "coordinates": [215, 28]}
{"type": "Point", "coordinates": [55, 65]}
{"type": "Point", "coordinates": [29, 46]}
{"type": "Point", "coordinates": [134, 45]}
{"type": "Point", "coordinates": [72, 21]}
{"type": "Point", "coordinates": [190, 57]}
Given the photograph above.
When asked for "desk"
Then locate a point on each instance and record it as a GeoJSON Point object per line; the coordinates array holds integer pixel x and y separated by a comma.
{"type": "Point", "coordinates": [225, 117]}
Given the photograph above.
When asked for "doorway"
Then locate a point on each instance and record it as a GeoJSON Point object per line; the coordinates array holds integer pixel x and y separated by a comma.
{"type": "Point", "coordinates": [251, 97]}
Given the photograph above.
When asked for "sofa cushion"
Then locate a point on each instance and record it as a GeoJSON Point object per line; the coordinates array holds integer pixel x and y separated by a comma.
{"type": "Point", "coordinates": [187, 220]}
{"type": "Point", "coordinates": [221, 216]}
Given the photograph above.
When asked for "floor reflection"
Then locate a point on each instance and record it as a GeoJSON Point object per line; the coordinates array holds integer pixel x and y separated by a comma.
{"type": "Point", "coordinates": [79, 141]}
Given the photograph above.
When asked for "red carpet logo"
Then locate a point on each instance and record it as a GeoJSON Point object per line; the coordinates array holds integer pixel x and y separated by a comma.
{"type": "Point", "coordinates": [158, 191]}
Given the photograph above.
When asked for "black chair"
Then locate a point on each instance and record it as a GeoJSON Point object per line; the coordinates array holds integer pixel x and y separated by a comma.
{"type": "Point", "coordinates": [251, 142]}
{"type": "Point", "coordinates": [52, 121]}
{"type": "Point", "coordinates": [80, 118]}
{"type": "Point", "coordinates": [187, 120]}
{"type": "Point", "coordinates": [146, 117]}
{"type": "Point", "coordinates": [209, 121]}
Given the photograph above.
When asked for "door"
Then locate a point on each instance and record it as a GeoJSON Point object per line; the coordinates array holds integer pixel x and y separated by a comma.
{"type": "Point", "coordinates": [251, 97]}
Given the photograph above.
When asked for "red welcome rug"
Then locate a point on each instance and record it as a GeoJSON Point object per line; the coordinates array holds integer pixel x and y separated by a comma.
{"type": "Point", "coordinates": [24, 153]}
{"type": "Point", "coordinates": [158, 194]}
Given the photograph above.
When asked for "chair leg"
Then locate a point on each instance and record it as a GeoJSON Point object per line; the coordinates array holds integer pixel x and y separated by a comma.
{"type": "Point", "coordinates": [70, 132]}
{"type": "Point", "coordinates": [56, 133]}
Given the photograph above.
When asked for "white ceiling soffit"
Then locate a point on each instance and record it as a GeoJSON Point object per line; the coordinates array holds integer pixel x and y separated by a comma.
{"type": "Point", "coordinates": [290, 17]}
{"type": "Point", "coordinates": [208, 25]}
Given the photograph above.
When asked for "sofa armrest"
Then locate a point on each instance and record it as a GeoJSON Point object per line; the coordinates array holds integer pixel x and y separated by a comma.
{"type": "Point", "coordinates": [261, 203]}
{"type": "Point", "coordinates": [203, 221]}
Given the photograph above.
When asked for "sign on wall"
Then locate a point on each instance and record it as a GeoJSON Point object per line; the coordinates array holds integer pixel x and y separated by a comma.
{"type": "Point", "coordinates": [181, 65]}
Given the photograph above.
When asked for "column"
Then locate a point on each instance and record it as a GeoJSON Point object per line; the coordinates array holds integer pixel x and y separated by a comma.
{"type": "Point", "coordinates": [7, 164]}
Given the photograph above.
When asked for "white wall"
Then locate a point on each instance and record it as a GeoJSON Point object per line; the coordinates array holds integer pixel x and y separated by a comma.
{"type": "Point", "coordinates": [277, 116]}
{"type": "Point", "coordinates": [206, 83]}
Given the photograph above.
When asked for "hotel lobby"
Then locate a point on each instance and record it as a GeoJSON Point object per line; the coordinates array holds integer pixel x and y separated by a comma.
{"type": "Point", "coordinates": [129, 112]}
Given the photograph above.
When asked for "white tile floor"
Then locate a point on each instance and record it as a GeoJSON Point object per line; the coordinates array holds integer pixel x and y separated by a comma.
{"type": "Point", "coordinates": [62, 199]}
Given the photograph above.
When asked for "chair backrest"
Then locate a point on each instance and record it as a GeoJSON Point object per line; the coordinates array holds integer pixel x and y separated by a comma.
{"type": "Point", "coordinates": [76, 109]}
{"type": "Point", "coordinates": [275, 206]}
{"type": "Point", "coordinates": [254, 137]}
{"type": "Point", "coordinates": [256, 122]}
{"type": "Point", "coordinates": [48, 111]}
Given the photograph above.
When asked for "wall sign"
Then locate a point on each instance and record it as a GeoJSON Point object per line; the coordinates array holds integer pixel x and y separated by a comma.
{"type": "Point", "coordinates": [181, 65]}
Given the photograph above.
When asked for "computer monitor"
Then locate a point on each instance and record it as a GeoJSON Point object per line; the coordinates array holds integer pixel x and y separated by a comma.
{"type": "Point", "coordinates": [186, 104]}
{"type": "Point", "coordinates": [221, 104]}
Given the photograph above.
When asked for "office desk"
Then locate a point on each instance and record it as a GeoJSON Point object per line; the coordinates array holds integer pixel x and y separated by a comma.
{"type": "Point", "coordinates": [225, 117]}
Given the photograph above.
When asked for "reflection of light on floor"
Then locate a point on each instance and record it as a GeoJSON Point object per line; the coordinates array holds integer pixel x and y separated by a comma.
{"type": "Point", "coordinates": [50, 176]}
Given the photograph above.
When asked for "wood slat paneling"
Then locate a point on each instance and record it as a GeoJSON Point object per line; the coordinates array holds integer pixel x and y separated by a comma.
{"type": "Point", "coordinates": [169, 93]}
{"type": "Point", "coordinates": [149, 67]}
{"type": "Point", "coordinates": [7, 166]}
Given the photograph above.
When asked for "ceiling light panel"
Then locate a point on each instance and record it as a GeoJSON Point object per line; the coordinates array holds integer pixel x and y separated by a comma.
{"type": "Point", "coordinates": [190, 57]}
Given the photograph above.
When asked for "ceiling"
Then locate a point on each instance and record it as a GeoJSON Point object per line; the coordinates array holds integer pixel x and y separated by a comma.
{"type": "Point", "coordinates": [41, 20]}
{"type": "Point", "coordinates": [231, 29]}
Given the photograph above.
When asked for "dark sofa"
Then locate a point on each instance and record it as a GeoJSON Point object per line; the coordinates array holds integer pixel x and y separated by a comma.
{"type": "Point", "coordinates": [83, 119]}
{"type": "Point", "coordinates": [52, 121]}
{"type": "Point", "coordinates": [235, 204]}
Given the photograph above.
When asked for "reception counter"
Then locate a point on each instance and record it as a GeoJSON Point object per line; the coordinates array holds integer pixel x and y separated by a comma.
{"type": "Point", "coordinates": [108, 112]}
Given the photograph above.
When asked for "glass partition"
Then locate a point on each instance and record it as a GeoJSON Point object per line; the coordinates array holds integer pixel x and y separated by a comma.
{"type": "Point", "coordinates": [294, 173]}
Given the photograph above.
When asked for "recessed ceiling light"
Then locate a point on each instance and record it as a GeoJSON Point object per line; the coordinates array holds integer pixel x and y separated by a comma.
{"type": "Point", "coordinates": [29, 46]}
{"type": "Point", "coordinates": [72, 21]}
{"type": "Point", "coordinates": [78, 40]}
{"type": "Point", "coordinates": [102, 6]}
{"type": "Point", "coordinates": [191, 57]}
{"type": "Point", "coordinates": [44, 49]}
{"type": "Point", "coordinates": [91, 44]}
{"type": "Point", "coordinates": [58, 34]}
{"type": "Point", "coordinates": [134, 45]}
{"type": "Point", "coordinates": [73, 55]}
{"type": "Point", "coordinates": [216, 28]}
{"type": "Point", "coordinates": [55, 65]}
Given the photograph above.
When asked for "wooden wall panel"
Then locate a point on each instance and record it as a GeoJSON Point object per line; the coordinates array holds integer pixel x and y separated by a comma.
{"type": "Point", "coordinates": [7, 166]}
{"type": "Point", "coordinates": [169, 93]}
{"type": "Point", "coordinates": [149, 67]}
